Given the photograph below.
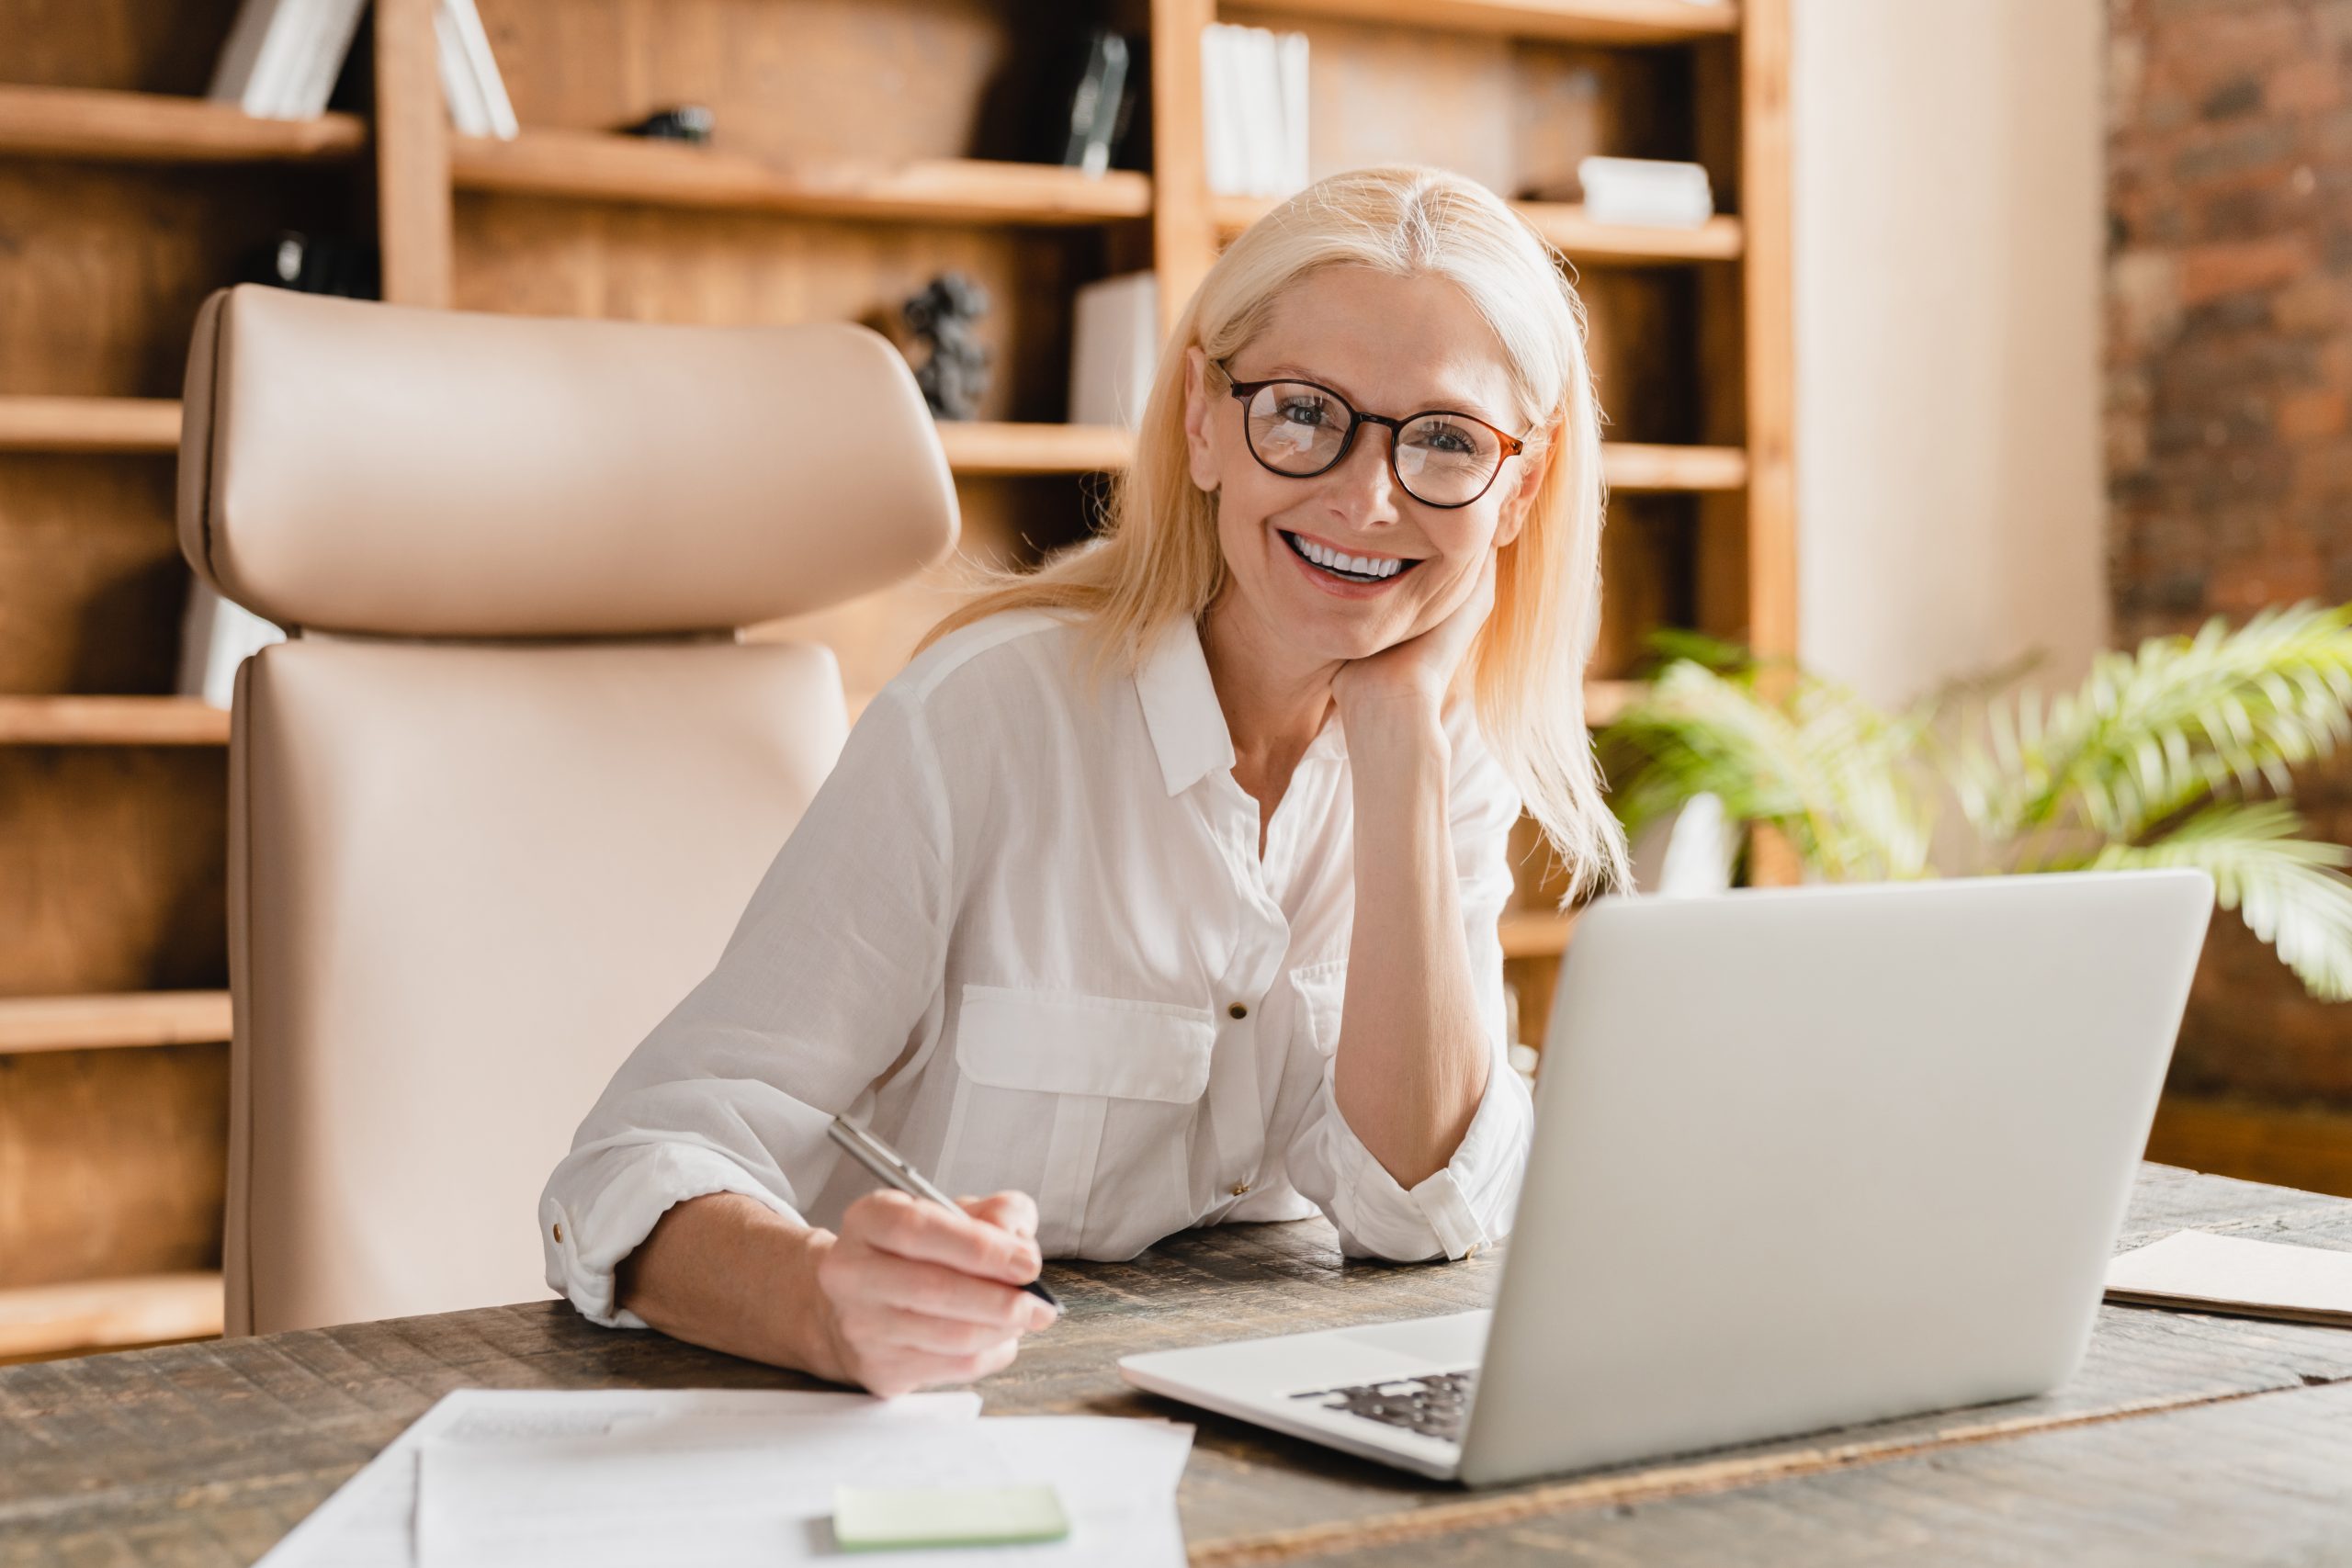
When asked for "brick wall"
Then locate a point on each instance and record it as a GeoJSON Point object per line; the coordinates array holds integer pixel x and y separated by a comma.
{"type": "Point", "coordinates": [2229, 407]}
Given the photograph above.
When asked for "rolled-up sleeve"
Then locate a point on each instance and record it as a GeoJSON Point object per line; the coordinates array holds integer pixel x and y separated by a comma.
{"type": "Point", "coordinates": [817, 994]}
{"type": "Point", "coordinates": [1467, 1203]}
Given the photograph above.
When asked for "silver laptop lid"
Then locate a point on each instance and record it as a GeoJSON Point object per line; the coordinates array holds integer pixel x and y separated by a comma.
{"type": "Point", "coordinates": [1813, 1157]}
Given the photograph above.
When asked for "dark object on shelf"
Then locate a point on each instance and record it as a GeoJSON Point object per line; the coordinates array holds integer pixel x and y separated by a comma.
{"type": "Point", "coordinates": [1073, 100]}
{"type": "Point", "coordinates": [955, 377]}
{"type": "Point", "coordinates": [317, 264]}
{"type": "Point", "coordinates": [1100, 102]}
{"type": "Point", "coordinates": [686, 122]}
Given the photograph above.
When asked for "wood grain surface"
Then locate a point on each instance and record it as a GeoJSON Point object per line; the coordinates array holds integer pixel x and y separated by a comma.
{"type": "Point", "coordinates": [2184, 1438]}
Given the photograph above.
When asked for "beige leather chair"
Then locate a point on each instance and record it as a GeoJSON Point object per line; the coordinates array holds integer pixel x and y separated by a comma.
{"type": "Point", "coordinates": [496, 806]}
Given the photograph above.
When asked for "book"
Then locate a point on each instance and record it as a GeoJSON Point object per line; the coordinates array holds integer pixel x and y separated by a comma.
{"type": "Point", "coordinates": [1647, 191]}
{"type": "Point", "coordinates": [1254, 109]}
{"type": "Point", "coordinates": [465, 56]}
{"type": "Point", "coordinates": [1115, 349]}
{"type": "Point", "coordinates": [282, 56]}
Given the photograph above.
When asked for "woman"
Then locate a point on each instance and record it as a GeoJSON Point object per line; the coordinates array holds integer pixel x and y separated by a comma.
{"type": "Point", "coordinates": [1162, 889]}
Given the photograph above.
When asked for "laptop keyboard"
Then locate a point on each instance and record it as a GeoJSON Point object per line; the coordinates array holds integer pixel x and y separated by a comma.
{"type": "Point", "coordinates": [1432, 1404]}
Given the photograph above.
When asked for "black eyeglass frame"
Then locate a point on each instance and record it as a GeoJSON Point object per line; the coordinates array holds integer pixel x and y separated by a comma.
{"type": "Point", "coordinates": [1357, 419]}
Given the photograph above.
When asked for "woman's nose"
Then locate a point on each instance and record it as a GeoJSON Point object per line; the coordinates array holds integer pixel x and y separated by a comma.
{"type": "Point", "coordinates": [1362, 489]}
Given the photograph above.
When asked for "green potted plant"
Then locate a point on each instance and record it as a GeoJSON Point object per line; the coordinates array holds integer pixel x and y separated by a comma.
{"type": "Point", "coordinates": [2177, 754]}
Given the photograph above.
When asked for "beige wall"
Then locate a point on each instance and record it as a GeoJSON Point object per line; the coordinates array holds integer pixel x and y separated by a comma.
{"type": "Point", "coordinates": [1949, 213]}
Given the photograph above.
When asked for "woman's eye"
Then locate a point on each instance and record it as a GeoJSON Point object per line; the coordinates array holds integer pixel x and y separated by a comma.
{"type": "Point", "coordinates": [1303, 410]}
{"type": "Point", "coordinates": [1450, 439]}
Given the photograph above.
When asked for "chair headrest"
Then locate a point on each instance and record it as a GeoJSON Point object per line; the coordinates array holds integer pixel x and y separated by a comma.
{"type": "Point", "coordinates": [382, 469]}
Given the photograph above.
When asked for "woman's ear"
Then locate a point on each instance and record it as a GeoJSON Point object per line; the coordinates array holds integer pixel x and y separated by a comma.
{"type": "Point", "coordinates": [1200, 440]}
{"type": "Point", "coordinates": [1521, 499]}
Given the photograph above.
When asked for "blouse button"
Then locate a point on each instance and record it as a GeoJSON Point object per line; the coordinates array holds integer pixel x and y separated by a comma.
{"type": "Point", "coordinates": [558, 1231]}
{"type": "Point", "coordinates": [1238, 1009]}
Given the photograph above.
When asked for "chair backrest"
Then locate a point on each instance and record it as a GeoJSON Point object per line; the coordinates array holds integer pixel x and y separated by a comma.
{"type": "Point", "coordinates": [496, 805]}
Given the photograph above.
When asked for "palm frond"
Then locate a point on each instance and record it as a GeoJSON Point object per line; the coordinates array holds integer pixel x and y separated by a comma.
{"type": "Point", "coordinates": [1828, 770]}
{"type": "Point", "coordinates": [2290, 891]}
{"type": "Point", "coordinates": [2154, 732]}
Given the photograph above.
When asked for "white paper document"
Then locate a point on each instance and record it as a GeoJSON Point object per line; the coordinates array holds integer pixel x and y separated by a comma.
{"type": "Point", "coordinates": [370, 1522]}
{"type": "Point", "coordinates": [2202, 1272]}
{"type": "Point", "coordinates": [723, 1476]}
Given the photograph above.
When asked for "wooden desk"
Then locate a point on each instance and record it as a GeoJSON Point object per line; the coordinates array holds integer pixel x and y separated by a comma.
{"type": "Point", "coordinates": [2185, 1437]}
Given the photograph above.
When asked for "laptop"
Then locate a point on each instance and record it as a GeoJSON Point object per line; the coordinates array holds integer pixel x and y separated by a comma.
{"type": "Point", "coordinates": [1803, 1158]}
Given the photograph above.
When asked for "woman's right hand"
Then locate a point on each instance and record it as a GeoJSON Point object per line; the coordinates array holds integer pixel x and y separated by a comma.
{"type": "Point", "coordinates": [912, 1296]}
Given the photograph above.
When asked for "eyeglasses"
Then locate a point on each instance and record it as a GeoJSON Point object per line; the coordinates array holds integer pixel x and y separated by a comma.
{"type": "Point", "coordinates": [1440, 457]}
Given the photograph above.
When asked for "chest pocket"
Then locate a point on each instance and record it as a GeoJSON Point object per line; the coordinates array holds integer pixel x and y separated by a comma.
{"type": "Point", "coordinates": [1322, 993]}
{"type": "Point", "coordinates": [1084, 1102]}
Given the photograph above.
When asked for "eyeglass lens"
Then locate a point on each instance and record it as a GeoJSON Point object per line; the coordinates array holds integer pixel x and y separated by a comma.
{"type": "Point", "coordinates": [1298, 429]}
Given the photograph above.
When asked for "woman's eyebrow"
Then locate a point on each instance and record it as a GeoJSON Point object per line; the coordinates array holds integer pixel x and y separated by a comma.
{"type": "Point", "coordinates": [1293, 370]}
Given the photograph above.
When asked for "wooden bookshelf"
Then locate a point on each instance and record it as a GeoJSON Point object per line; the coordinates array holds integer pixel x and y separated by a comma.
{"type": "Point", "coordinates": [98, 1315]}
{"type": "Point", "coordinates": [599, 166]}
{"type": "Point", "coordinates": [157, 128]}
{"type": "Point", "coordinates": [1536, 934]}
{"type": "Point", "coordinates": [111, 1022]}
{"type": "Point", "coordinates": [1579, 21]}
{"type": "Point", "coordinates": [111, 721]}
{"type": "Point", "coordinates": [89, 425]}
{"type": "Point", "coordinates": [981, 449]}
{"type": "Point", "coordinates": [849, 170]}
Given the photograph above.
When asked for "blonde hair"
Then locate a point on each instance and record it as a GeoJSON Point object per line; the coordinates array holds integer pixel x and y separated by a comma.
{"type": "Point", "coordinates": [1159, 556]}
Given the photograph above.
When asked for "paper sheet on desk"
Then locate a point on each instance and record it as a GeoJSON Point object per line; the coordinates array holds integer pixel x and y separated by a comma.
{"type": "Point", "coordinates": [2198, 1271]}
{"type": "Point", "coordinates": [691, 1495]}
{"type": "Point", "coordinates": [370, 1522]}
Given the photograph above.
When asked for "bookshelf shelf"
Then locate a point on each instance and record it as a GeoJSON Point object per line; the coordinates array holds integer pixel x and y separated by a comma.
{"type": "Point", "coordinates": [981, 446]}
{"type": "Point", "coordinates": [105, 1022]}
{"type": "Point", "coordinates": [1536, 934]}
{"type": "Point", "coordinates": [1579, 22]}
{"type": "Point", "coordinates": [1636, 466]}
{"type": "Point", "coordinates": [598, 166]}
{"type": "Point", "coordinates": [98, 1314]}
{"type": "Point", "coordinates": [1567, 227]}
{"type": "Point", "coordinates": [111, 721]}
{"type": "Point", "coordinates": [1564, 223]}
{"type": "Point", "coordinates": [89, 425]}
{"type": "Point", "coordinates": [76, 122]}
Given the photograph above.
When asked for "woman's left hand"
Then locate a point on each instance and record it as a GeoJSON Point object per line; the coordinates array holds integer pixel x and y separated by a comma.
{"type": "Point", "coordinates": [1420, 669]}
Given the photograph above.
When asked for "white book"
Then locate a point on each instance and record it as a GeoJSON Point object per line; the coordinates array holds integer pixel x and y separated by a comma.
{"type": "Point", "coordinates": [459, 91]}
{"type": "Point", "coordinates": [235, 68]}
{"type": "Point", "coordinates": [1269, 126]}
{"type": "Point", "coordinates": [335, 23]}
{"type": "Point", "coordinates": [261, 62]}
{"type": "Point", "coordinates": [1290, 49]}
{"type": "Point", "coordinates": [1650, 192]}
{"type": "Point", "coordinates": [1221, 147]}
{"type": "Point", "coordinates": [473, 43]}
{"type": "Point", "coordinates": [215, 638]}
{"type": "Point", "coordinates": [1115, 349]}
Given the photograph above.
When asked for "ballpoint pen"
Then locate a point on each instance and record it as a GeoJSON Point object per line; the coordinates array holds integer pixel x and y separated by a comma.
{"type": "Point", "coordinates": [892, 1171]}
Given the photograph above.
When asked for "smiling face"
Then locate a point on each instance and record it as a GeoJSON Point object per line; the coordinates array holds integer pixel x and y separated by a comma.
{"type": "Point", "coordinates": [1347, 563]}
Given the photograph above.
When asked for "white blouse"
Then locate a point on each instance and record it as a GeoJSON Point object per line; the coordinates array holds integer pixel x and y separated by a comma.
{"type": "Point", "coordinates": [1024, 933]}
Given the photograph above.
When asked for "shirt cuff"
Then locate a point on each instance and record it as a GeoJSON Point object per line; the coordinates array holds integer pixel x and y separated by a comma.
{"type": "Point", "coordinates": [1457, 1209]}
{"type": "Point", "coordinates": [593, 1216]}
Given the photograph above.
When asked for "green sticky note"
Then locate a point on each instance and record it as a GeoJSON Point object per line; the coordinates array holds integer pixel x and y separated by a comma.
{"type": "Point", "coordinates": [888, 1518]}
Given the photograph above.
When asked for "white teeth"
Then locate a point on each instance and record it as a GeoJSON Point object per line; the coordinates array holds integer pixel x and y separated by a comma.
{"type": "Point", "coordinates": [1363, 566]}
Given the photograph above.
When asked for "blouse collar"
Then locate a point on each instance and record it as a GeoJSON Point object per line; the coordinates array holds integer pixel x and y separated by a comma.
{"type": "Point", "coordinates": [1184, 718]}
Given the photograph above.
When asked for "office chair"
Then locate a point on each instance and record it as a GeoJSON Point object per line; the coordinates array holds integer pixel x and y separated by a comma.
{"type": "Point", "coordinates": [496, 804]}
